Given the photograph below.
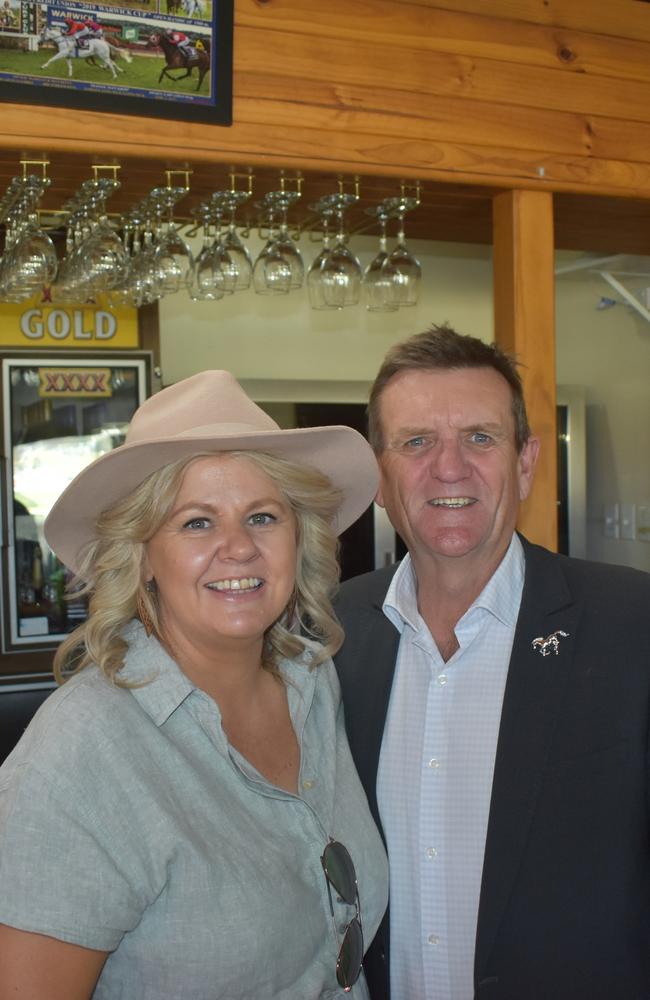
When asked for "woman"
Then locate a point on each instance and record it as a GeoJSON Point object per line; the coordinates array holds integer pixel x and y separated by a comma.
{"type": "Point", "coordinates": [171, 822]}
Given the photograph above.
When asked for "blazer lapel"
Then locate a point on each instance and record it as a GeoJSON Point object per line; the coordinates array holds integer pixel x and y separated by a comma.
{"type": "Point", "coordinates": [532, 698]}
{"type": "Point", "coordinates": [366, 666]}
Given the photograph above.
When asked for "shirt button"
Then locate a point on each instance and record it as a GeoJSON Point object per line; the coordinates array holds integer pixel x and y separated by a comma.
{"type": "Point", "coordinates": [441, 679]}
{"type": "Point", "coordinates": [433, 939]}
{"type": "Point", "coordinates": [434, 763]}
{"type": "Point", "coordinates": [432, 853]}
{"type": "Point", "coordinates": [307, 784]}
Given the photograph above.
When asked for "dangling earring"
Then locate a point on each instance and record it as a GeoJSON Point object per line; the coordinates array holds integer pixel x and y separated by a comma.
{"type": "Point", "coordinates": [143, 613]}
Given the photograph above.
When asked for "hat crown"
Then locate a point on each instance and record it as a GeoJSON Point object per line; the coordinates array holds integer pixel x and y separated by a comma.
{"type": "Point", "coordinates": [198, 404]}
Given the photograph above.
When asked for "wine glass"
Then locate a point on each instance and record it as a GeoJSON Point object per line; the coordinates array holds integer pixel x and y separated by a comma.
{"type": "Point", "coordinates": [172, 256]}
{"type": "Point", "coordinates": [336, 283]}
{"type": "Point", "coordinates": [279, 267]}
{"type": "Point", "coordinates": [241, 261]}
{"type": "Point", "coordinates": [403, 267]}
{"type": "Point", "coordinates": [271, 272]}
{"type": "Point", "coordinates": [379, 285]}
{"type": "Point", "coordinates": [205, 279]}
{"type": "Point", "coordinates": [314, 283]}
{"type": "Point", "coordinates": [30, 260]}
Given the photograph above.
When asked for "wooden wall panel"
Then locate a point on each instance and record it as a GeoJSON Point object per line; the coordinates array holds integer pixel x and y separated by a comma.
{"type": "Point", "coordinates": [533, 94]}
{"type": "Point", "coordinates": [619, 18]}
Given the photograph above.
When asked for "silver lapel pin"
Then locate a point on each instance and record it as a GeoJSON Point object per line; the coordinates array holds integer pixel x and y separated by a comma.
{"type": "Point", "coordinates": [550, 644]}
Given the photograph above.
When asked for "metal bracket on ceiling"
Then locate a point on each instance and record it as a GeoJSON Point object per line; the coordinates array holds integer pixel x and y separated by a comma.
{"type": "Point", "coordinates": [612, 269]}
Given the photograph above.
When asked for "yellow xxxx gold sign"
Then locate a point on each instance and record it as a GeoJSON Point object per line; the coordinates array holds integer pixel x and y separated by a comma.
{"type": "Point", "coordinates": [77, 382]}
{"type": "Point", "coordinates": [40, 323]}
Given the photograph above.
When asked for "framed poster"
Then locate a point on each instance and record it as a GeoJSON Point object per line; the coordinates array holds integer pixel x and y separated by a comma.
{"type": "Point", "coordinates": [59, 413]}
{"type": "Point", "coordinates": [157, 58]}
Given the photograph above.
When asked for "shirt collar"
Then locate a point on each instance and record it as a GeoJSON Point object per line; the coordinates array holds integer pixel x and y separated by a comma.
{"type": "Point", "coordinates": [162, 684]}
{"type": "Point", "coordinates": [501, 595]}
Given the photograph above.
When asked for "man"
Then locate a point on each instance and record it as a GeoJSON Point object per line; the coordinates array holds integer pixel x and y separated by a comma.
{"type": "Point", "coordinates": [497, 701]}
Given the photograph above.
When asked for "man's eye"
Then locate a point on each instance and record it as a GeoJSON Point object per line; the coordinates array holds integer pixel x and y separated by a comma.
{"type": "Point", "coordinates": [480, 437]}
{"type": "Point", "coordinates": [262, 518]}
{"type": "Point", "coordinates": [415, 442]}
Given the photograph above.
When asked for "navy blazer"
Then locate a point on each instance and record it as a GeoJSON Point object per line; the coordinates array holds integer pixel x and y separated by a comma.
{"type": "Point", "coordinates": [564, 909]}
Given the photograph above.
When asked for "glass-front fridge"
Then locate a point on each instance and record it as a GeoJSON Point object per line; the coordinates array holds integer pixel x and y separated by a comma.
{"type": "Point", "coordinates": [59, 414]}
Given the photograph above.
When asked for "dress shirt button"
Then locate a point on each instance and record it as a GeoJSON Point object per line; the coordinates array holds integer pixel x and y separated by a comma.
{"type": "Point", "coordinates": [434, 763]}
{"type": "Point", "coordinates": [432, 853]}
{"type": "Point", "coordinates": [307, 784]}
{"type": "Point", "coordinates": [433, 939]}
{"type": "Point", "coordinates": [441, 679]}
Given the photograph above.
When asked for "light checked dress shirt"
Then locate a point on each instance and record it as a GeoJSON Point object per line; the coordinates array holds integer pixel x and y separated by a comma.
{"type": "Point", "coordinates": [128, 824]}
{"type": "Point", "coordinates": [434, 781]}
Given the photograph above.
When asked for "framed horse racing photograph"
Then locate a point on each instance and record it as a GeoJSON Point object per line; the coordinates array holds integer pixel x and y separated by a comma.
{"type": "Point", "coordinates": [157, 58]}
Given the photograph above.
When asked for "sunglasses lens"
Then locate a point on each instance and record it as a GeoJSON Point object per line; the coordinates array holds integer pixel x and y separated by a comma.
{"type": "Point", "coordinates": [350, 957]}
{"type": "Point", "coordinates": [340, 871]}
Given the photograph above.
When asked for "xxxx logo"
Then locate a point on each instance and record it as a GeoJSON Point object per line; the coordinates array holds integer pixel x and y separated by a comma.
{"type": "Point", "coordinates": [74, 382]}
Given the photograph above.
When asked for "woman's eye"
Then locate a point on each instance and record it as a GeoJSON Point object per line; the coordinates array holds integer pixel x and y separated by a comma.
{"type": "Point", "coordinates": [197, 523]}
{"type": "Point", "coordinates": [262, 518]}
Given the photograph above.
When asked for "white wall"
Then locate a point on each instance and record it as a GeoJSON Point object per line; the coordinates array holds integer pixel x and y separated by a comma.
{"type": "Point", "coordinates": [608, 352]}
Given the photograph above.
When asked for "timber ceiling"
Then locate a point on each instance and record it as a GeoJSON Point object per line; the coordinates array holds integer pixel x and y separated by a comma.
{"type": "Point", "coordinates": [447, 212]}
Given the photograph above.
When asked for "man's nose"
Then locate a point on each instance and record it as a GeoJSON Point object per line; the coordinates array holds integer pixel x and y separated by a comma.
{"type": "Point", "coordinates": [449, 462]}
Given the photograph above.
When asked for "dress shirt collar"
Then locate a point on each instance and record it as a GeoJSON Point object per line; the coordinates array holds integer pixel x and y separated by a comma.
{"type": "Point", "coordinates": [501, 595]}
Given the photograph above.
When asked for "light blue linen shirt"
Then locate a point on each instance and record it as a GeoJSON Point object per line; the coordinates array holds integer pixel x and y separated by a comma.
{"type": "Point", "coordinates": [434, 780]}
{"type": "Point", "coordinates": [128, 824]}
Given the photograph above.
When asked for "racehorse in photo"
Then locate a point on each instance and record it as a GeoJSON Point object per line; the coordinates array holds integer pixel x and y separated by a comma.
{"type": "Point", "coordinates": [199, 58]}
{"type": "Point", "coordinates": [98, 48]}
{"type": "Point", "coordinates": [193, 8]}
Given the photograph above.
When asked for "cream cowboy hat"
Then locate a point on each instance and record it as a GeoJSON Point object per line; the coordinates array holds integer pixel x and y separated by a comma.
{"type": "Point", "coordinates": [206, 412]}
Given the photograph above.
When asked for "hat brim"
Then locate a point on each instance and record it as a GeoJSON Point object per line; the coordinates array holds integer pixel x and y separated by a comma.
{"type": "Point", "coordinates": [341, 453]}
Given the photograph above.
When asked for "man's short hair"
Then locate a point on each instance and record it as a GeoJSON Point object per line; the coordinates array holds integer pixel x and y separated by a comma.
{"type": "Point", "coordinates": [442, 348]}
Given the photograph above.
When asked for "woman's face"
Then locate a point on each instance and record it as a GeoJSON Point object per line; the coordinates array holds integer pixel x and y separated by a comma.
{"type": "Point", "coordinates": [224, 562]}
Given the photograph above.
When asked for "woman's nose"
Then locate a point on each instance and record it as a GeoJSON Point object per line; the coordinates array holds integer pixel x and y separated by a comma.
{"type": "Point", "coordinates": [236, 544]}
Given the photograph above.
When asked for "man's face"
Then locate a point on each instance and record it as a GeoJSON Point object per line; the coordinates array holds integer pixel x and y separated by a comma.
{"type": "Point", "coordinates": [451, 477]}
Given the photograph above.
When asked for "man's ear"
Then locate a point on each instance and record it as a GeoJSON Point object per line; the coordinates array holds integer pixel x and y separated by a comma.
{"type": "Point", "coordinates": [526, 462]}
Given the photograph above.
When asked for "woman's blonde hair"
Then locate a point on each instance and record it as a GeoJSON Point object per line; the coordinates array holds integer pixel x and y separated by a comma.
{"type": "Point", "coordinates": [111, 571]}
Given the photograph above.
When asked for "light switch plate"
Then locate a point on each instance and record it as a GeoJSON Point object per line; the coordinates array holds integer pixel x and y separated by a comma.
{"type": "Point", "coordinates": [628, 521]}
{"type": "Point", "coordinates": [611, 526]}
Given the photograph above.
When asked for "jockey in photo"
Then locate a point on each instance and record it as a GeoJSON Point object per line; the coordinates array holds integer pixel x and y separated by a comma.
{"type": "Point", "coordinates": [77, 30]}
{"type": "Point", "coordinates": [94, 30]}
{"type": "Point", "coordinates": [181, 41]}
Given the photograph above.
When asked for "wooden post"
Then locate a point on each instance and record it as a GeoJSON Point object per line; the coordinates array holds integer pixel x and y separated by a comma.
{"type": "Point", "coordinates": [524, 324]}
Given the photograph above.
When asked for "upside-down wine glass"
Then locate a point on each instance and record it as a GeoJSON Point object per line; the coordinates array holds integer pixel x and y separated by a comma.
{"type": "Point", "coordinates": [314, 283]}
{"type": "Point", "coordinates": [379, 286]}
{"type": "Point", "coordinates": [29, 261]}
{"type": "Point", "coordinates": [405, 269]}
{"type": "Point", "coordinates": [338, 278]}
{"type": "Point", "coordinates": [205, 279]}
{"type": "Point", "coordinates": [240, 257]}
{"type": "Point", "coordinates": [272, 271]}
{"type": "Point", "coordinates": [173, 257]}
